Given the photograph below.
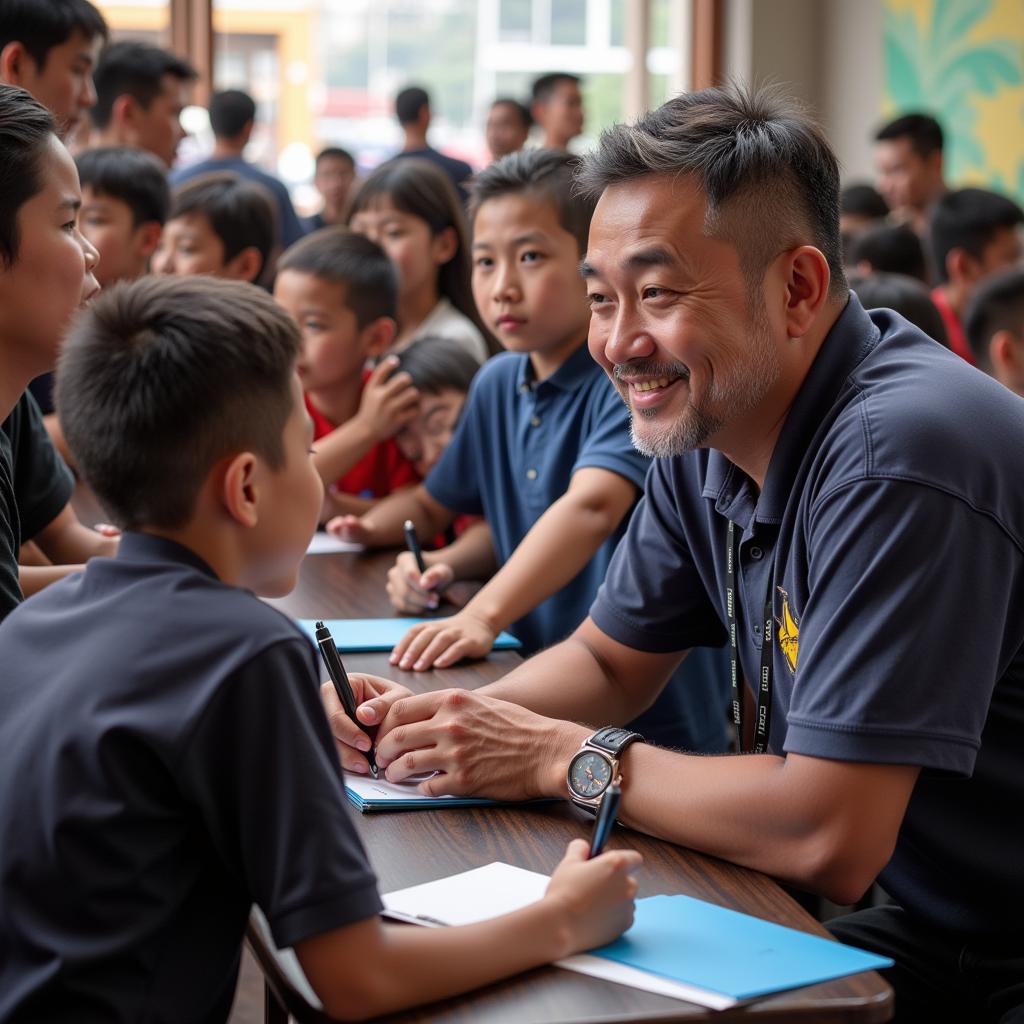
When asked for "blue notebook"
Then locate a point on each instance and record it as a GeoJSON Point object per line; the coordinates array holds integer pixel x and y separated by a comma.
{"type": "Point", "coordinates": [733, 954]}
{"type": "Point", "coordinates": [358, 636]}
{"type": "Point", "coordinates": [367, 794]}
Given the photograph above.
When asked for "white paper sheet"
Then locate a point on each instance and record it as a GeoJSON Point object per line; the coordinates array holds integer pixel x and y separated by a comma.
{"type": "Point", "coordinates": [327, 544]}
{"type": "Point", "coordinates": [499, 888]}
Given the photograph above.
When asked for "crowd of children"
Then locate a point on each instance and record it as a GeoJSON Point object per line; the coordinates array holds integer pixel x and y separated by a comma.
{"type": "Point", "coordinates": [411, 358]}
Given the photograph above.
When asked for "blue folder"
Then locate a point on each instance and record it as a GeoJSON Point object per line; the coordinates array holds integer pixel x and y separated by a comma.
{"type": "Point", "coordinates": [734, 954]}
{"type": "Point", "coordinates": [357, 636]}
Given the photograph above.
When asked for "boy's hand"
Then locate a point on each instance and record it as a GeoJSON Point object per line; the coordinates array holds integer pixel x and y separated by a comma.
{"type": "Point", "coordinates": [388, 402]}
{"type": "Point", "coordinates": [413, 592]}
{"type": "Point", "coordinates": [595, 896]}
{"type": "Point", "coordinates": [355, 529]}
{"type": "Point", "coordinates": [374, 697]}
{"type": "Point", "coordinates": [442, 643]}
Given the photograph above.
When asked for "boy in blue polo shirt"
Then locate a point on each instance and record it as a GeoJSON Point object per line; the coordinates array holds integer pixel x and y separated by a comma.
{"type": "Point", "coordinates": [164, 758]}
{"type": "Point", "coordinates": [543, 452]}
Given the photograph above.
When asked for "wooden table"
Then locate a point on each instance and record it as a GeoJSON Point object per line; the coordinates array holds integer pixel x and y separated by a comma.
{"type": "Point", "coordinates": [416, 846]}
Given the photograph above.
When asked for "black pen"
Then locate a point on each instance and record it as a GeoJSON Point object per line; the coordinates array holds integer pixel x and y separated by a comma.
{"type": "Point", "coordinates": [342, 686]}
{"type": "Point", "coordinates": [605, 820]}
{"type": "Point", "coordinates": [412, 542]}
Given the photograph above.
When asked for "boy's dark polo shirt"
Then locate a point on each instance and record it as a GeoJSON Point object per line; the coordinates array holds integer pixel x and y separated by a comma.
{"type": "Point", "coordinates": [893, 511]}
{"type": "Point", "coordinates": [35, 485]}
{"type": "Point", "coordinates": [164, 763]}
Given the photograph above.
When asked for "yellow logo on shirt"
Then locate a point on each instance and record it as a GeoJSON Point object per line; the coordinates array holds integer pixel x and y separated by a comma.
{"type": "Point", "coordinates": [788, 632]}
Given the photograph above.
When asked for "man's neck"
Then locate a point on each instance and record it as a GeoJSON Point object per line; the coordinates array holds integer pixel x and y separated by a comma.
{"type": "Point", "coordinates": [414, 139]}
{"type": "Point", "coordinates": [227, 149]}
{"type": "Point", "coordinates": [555, 141]}
{"type": "Point", "coordinates": [412, 311]}
{"type": "Point", "coordinates": [749, 443]}
{"type": "Point", "coordinates": [14, 379]}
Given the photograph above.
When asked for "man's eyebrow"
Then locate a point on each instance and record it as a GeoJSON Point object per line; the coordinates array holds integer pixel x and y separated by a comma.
{"type": "Point", "coordinates": [655, 256]}
{"type": "Point", "coordinates": [72, 203]}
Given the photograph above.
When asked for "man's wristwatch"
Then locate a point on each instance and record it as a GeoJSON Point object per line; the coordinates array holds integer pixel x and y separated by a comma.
{"type": "Point", "coordinates": [596, 765]}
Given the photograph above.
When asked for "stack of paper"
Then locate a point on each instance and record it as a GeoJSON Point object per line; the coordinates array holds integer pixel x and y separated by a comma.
{"type": "Point", "coordinates": [678, 946]}
{"type": "Point", "coordinates": [380, 795]}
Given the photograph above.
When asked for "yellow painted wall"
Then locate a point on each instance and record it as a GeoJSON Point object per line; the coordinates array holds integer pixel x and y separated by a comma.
{"type": "Point", "coordinates": [963, 62]}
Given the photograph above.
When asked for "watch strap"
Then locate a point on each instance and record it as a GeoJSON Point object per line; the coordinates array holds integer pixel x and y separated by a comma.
{"type": "Point", "coordinates": [613, 739]}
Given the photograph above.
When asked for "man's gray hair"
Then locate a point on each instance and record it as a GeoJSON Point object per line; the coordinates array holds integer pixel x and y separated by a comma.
{"type": "Point", "coordinates": [769, 174]}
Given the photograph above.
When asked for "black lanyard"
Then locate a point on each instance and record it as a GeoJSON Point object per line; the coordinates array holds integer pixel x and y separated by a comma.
{"type": "Point", "coordinates": [764, 689]}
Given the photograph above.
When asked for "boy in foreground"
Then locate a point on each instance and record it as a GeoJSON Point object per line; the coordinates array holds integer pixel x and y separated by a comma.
{"type": "Point", "coordinates": [164, 758]}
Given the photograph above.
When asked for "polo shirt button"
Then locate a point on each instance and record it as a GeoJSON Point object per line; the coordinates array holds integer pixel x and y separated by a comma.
{"type": "Point", "coordinates": [756, 553]}
{"type": "Point", "coordinates": [535, 422]}
{"type": "Point", "coordinates": [531, 474]}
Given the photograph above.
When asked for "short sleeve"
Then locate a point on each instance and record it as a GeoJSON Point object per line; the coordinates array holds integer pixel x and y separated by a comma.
{"type": "Point", "coordinates": [653, 598]}
{"type": "Point", "coordinates": [43, 484]}
{"type": "Point", "coordinates": [263, 771]}
{"type": "Point", "coordinates": [454, 480]}
{"type": "Point", "coordinates": [914, 609]}
{"type": "Point", "coordinates": [608, 444]}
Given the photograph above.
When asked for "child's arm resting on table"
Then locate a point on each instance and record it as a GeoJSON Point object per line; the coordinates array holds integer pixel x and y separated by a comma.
{"type": "Point", "coordinates": [558, 546]}
{"type": "Point", "coordinates": [371, 968]}
{"type": "Point", "coordinates": [384, 525]}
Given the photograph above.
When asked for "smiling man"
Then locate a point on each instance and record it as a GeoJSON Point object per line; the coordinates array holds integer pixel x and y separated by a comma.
{"type": "Point", "coordinates": [816, 497]}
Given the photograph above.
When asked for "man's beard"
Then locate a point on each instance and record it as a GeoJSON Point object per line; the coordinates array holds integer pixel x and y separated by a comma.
{"type": "Point", "coordinates": [727, 398]}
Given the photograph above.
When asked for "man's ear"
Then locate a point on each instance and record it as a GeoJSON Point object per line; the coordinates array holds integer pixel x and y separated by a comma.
{"type": "Point", "coordinates": [246, 266]}
{"type": "Point", "coordinates": [807, 282]}
{"type": "Point", "coordinates": [960, 266]}
{"type": "Point", "coordinates": [445, 245]}
{"type": "Point", "coordinates": [378, 335]}
{"type": "Point", "coordinates": [12, 63]}
{"type": "Point", "coordinates": [239, 493]}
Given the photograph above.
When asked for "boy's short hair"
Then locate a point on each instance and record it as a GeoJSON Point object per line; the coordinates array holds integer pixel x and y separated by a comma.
{"type": "Point", "coordinates": [137, 70]}
{"type": "Point", "coordinates": [544, 87]}
{"type": "Point", "coordinates": [133, 176]}
{"type": "Point", "coordinates": [336, 153]}
{"type": "Point", "coordinates": [230, 111]}
{"type": "Point", "coordinates": [908, 296]}
{"type": "Point", "coordinates": [40, 25]}
{"type": "Point", "coordinates": [241, 212]}
{"type": "Point", "coordinates": [546, 174]}
{"type": "Point", "coordinates": [968, 219]}
{"type": "Point", "coordinates": [892, 249]}
{"type": "Point", "coordinates": [997, 305]}
{"type": "Point", "coordinates": [164, 376]}
{"type": "Point", "coordinates": [922, 131]}
{"type": "Point", "coordinates": [522, 111]}
{"type": "Point", "coordinates": [25, 129]}
{"type": "Point", "coordinates": [409, 102]}
{"type": "Point", "coordinates": [340, 256]}
{"type": "Point", "coordinates": [863, 200]}
{"type": "Point", "coordinates": [438, 364]}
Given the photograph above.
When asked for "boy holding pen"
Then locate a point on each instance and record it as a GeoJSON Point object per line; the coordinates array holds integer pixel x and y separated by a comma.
{"type": "Point", "coordinates": [165, 761]}
{"type": "Point", "coordinates": [543, 451]}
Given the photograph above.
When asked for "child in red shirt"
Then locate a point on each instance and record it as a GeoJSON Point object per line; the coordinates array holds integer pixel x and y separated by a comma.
{"type": "Point", "coordinates": [340, 288]}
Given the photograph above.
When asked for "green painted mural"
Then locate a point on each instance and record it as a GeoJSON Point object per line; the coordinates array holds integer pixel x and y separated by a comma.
{"type": "Point", "coordinates": [963, 62]}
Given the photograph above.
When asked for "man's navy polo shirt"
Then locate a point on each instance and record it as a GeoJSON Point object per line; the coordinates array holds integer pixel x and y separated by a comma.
{"type": "Point", "coordinates": [164, 763]}
{"type": "Point", "coordinates": [893, 514]}
{"type": "Point", "coordinates": [512, 457]}
{"type": "Point", "coordinates": [514, 454]}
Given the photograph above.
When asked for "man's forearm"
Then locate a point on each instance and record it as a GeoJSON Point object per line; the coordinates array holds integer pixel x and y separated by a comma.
{"type": "Point", "coordinates": [388, 518]}
{"type": "Point", "coordinates": [470, 556]}
{"type": "Point", "coordinates": [336, 453]}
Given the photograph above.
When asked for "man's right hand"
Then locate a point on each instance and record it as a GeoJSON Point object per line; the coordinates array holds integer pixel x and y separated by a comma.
{"type": "Point", "coordinates": [413, 592]}
{"type": "Point", "coordinates": [374, 697]}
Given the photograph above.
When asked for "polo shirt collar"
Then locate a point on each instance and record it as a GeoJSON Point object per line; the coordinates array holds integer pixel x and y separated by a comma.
{"type": "Point", "coordinates": [574, 372]}
{"type": "Point", "coordinates": [852, 337]}
{"type": "Point", "coordinates": [147, 547]}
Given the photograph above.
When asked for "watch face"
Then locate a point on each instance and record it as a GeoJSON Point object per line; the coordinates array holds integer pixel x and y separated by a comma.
{"type": "Point", "coordinates": [589, 774]}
